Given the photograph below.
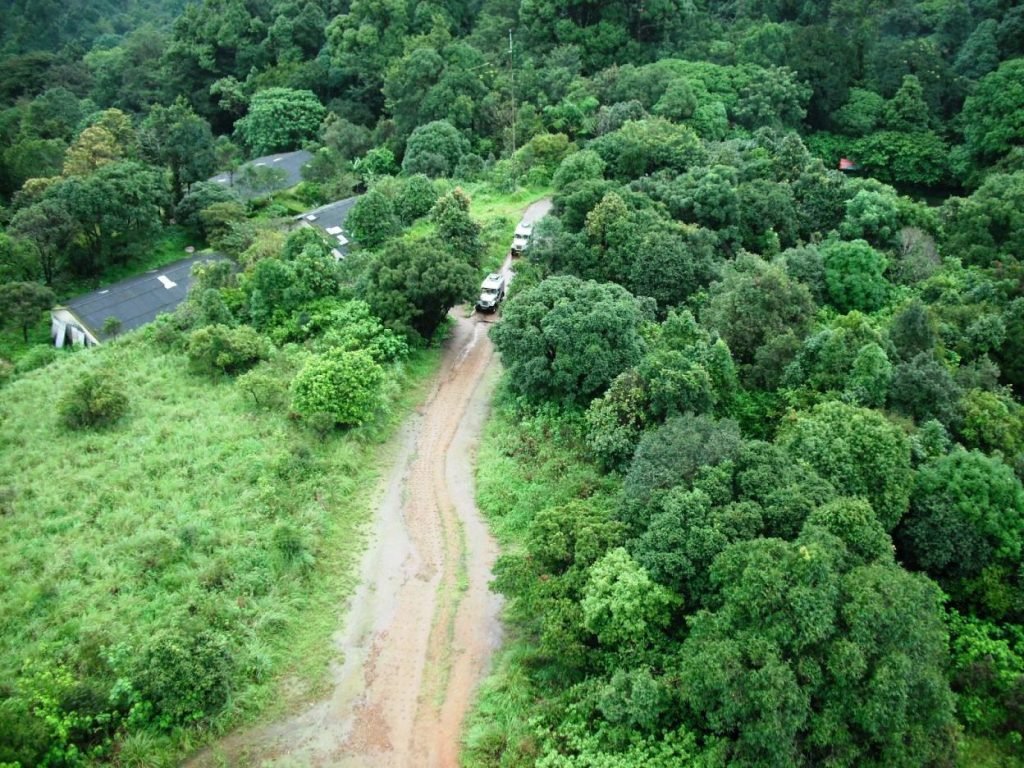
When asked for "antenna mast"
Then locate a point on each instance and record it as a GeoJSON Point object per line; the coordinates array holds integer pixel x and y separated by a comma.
{"type": "Point", "coordinates": [512, 79]}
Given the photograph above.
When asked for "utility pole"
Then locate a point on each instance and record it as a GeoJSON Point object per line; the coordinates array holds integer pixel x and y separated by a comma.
{"type": "Point", "coordinates": [512, 80]}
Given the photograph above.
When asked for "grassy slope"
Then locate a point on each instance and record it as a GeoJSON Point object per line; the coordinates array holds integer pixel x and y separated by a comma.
{"type": "Point", "coordinates": [108, 536]}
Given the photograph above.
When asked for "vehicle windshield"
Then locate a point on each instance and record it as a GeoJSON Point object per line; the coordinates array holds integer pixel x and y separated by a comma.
{"type": "Point", "coordinates": [489, 292]}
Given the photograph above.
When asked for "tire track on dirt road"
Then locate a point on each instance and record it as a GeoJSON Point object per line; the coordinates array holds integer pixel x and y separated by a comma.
{"type": "Point", "coordinates": [420, 629]}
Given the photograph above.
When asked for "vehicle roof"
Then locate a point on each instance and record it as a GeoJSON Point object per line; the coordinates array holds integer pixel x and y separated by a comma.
{"type": "Point", "coordinates": [493, 281]}
{"type": "Point", "coordinates": [524, 228]}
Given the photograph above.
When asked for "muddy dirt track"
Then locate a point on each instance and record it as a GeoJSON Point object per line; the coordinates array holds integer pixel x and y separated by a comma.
{"type": "Point", "coordinates": [422, 626]}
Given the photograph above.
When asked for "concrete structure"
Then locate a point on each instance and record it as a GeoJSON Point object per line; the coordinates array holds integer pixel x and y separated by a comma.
{"type": "Point", "coordinates": [290, 163]}
{"type": "Point", "coordinates": [330, 219]}
{"type": "Point", "coordinates": [134, 302]}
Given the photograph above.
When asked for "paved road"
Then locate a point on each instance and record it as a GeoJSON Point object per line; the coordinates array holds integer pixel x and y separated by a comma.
{"type": "Point", "coordinates": [289, 162]}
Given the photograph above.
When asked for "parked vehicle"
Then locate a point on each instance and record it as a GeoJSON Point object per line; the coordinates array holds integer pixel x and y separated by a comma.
{"type": "Point", "coordinates": [491, 292]}
{"type": "Point", "coordinates": [521, 239]}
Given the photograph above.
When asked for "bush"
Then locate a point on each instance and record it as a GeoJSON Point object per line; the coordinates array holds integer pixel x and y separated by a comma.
{"type": "Point", "coordinates": [220, 349]}
{"type": "Point", "coordinates": [96, 400]}
{"type": "Point", "coordinates": [185, 677]}
{"type": "Point", "coordinates": [36, 357]}
{"type": "Point", "coordinates": [344, 386]}
{"type": "Point", "coordinates": [415, 199]}
{"type": "Point", "coordinates": [434, 149]}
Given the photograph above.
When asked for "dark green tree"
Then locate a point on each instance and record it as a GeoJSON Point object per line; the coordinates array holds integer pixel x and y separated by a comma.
{"type": "Point", "coordinates": [819, 652]}
{"type": "Point", "coordinates": [22, 305]}
{"type": "Point", "coordinates": [854, 275]}
{"type": "Point", "coordinates": [372, 220]}
{"type": "Point", "coordinates": [411, 286]}
{"type": "Point", "coordinates": [859, 451]}
{"type": "Point", "coordinates": [966, 513]}
{"type": "Point", "coordinates": [434, 149]}
{"type": "Point", "coordinates": [754, 303]}
{"type": "Point", "coordinates": [177, 138]}
{"type": "Point", "coordinates": [280, 119]}
{"type": "Point", "coordinates": [456, 229]}
{"type": "Point", "coordinates": [567, 339]}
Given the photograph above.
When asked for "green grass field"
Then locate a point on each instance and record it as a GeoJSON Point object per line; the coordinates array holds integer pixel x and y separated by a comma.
{"type": "Point", "coordinates": [178, 512]}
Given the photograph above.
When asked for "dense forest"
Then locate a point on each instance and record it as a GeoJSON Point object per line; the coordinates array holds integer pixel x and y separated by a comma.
{"type": "Point", "coordinates": [757, 460]}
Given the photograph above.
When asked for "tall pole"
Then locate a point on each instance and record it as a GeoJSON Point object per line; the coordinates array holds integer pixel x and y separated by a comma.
{"type": "Point", "coordinates": [512, 79]}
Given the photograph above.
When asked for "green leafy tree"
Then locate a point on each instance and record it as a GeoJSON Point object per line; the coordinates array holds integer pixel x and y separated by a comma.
{"type": "Point", "coordinates": [993, 115]}
{"type": "Point", "coordinates": [220, 349]}
{"type": "Point", "coordinates": [373, 220]}
{"type": "Point", "coordinates": [616, 420]}
{"type": "Point", "coordinates": [807, 656]}
{"type": "Point", "coordinates": [861, 114]}
{"type": "Point", "coordinates": [379, 161]}
{"type": "Point", "coordinates": [362, 43]}
{"type": "Point", "coordinates": [873, 215]}
{"type": "Point", "coordinates": [22, 305]}
{"type": "Point", "coordinates": [585, 164]}
{"type": "Point", "coordinates": [280, 119]}
{"type": "Point", "coordinates": [671, 264]}
{"type": "Point", "coordinates": [51, 228]}
{"type": "Point", "coordinates": [924, 388]}
{"type": "Point", "coordinates": [988, 226]}
{"type": "Point", "coordinates": [201, 196]}
{"type": "Point", "coordinates": [93, 148]}
{"type": "Point", "coordinates": [411, 286]}
{"type": "Point", "coordinates": [987, 669]}
{"type": "Point", "coordinates": [857, 450]}
{"type": "Point", "coordinates": [755, 302]}
{"type": "Point", "coordinates": [966, 513]}
{"type": "Point", "coordinates": [434, 149]}
{"type": "Point", "coordinates": [907, 110]}
{"type": "Point", "coordinates": [622, 606]}
{"type": "Point", "coordinates": [854, 275]}
{"type": "Point", "coordinates": [455, 228]}
{"type": "Point", "coordinates": [567, 339]}
{"type": "Point", "coordinates": [673, 455]}
{"type": "Point", "coordinates": [177, 138]}
{"type": "Point", "coordinates": [920, 157]}
{"type": "Point", "coordinates": [19, 259]}
{"type": "Point", "coordinates": [346, 386]}
{"type": "Point", "coordinates": [415, 199]}
{"type": "Point", "coordinates": [187, 677]}
{"type": "Point", "coordinates": [645, 146]}
{"type": "Point", "coordinates": [116, 209]}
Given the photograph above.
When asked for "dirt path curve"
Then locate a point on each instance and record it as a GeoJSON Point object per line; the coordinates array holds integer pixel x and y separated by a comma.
{"type": "Point", "coordinates": [422, 626]}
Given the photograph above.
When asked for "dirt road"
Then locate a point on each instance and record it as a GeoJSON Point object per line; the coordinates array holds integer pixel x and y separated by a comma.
{"type": "Point", "coordinates": [422, 626]}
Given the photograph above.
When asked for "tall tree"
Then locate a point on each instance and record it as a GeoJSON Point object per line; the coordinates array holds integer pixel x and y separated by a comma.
{"type": "Point", "coordinates": [177, 138]}
{"type": "Point", "coordinates": [22, 304]}
{"type": "Point", "coordinates": [566, 339]}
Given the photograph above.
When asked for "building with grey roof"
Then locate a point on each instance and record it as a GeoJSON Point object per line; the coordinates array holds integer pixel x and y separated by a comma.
{"type": "Point", "coordinates": [289, 164]}
{"type": "Point", "coordinates": [134, 302]}
{"type": "Point", "coordinates": [330, 219]}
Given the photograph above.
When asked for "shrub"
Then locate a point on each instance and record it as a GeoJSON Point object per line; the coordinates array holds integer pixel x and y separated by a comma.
{"type": "Point", "coordinates": [220, 349]}
{"type": "Point", "coordinates": [36, 357]}
{"type": "Point", "coordinates": [415, 199]}
{"type": "Point", "coordinates": [185, 676]}
{"type": "Point", "coordinates": [344, 386]}
{"type": "Point", "coordinates": [96, 400]}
